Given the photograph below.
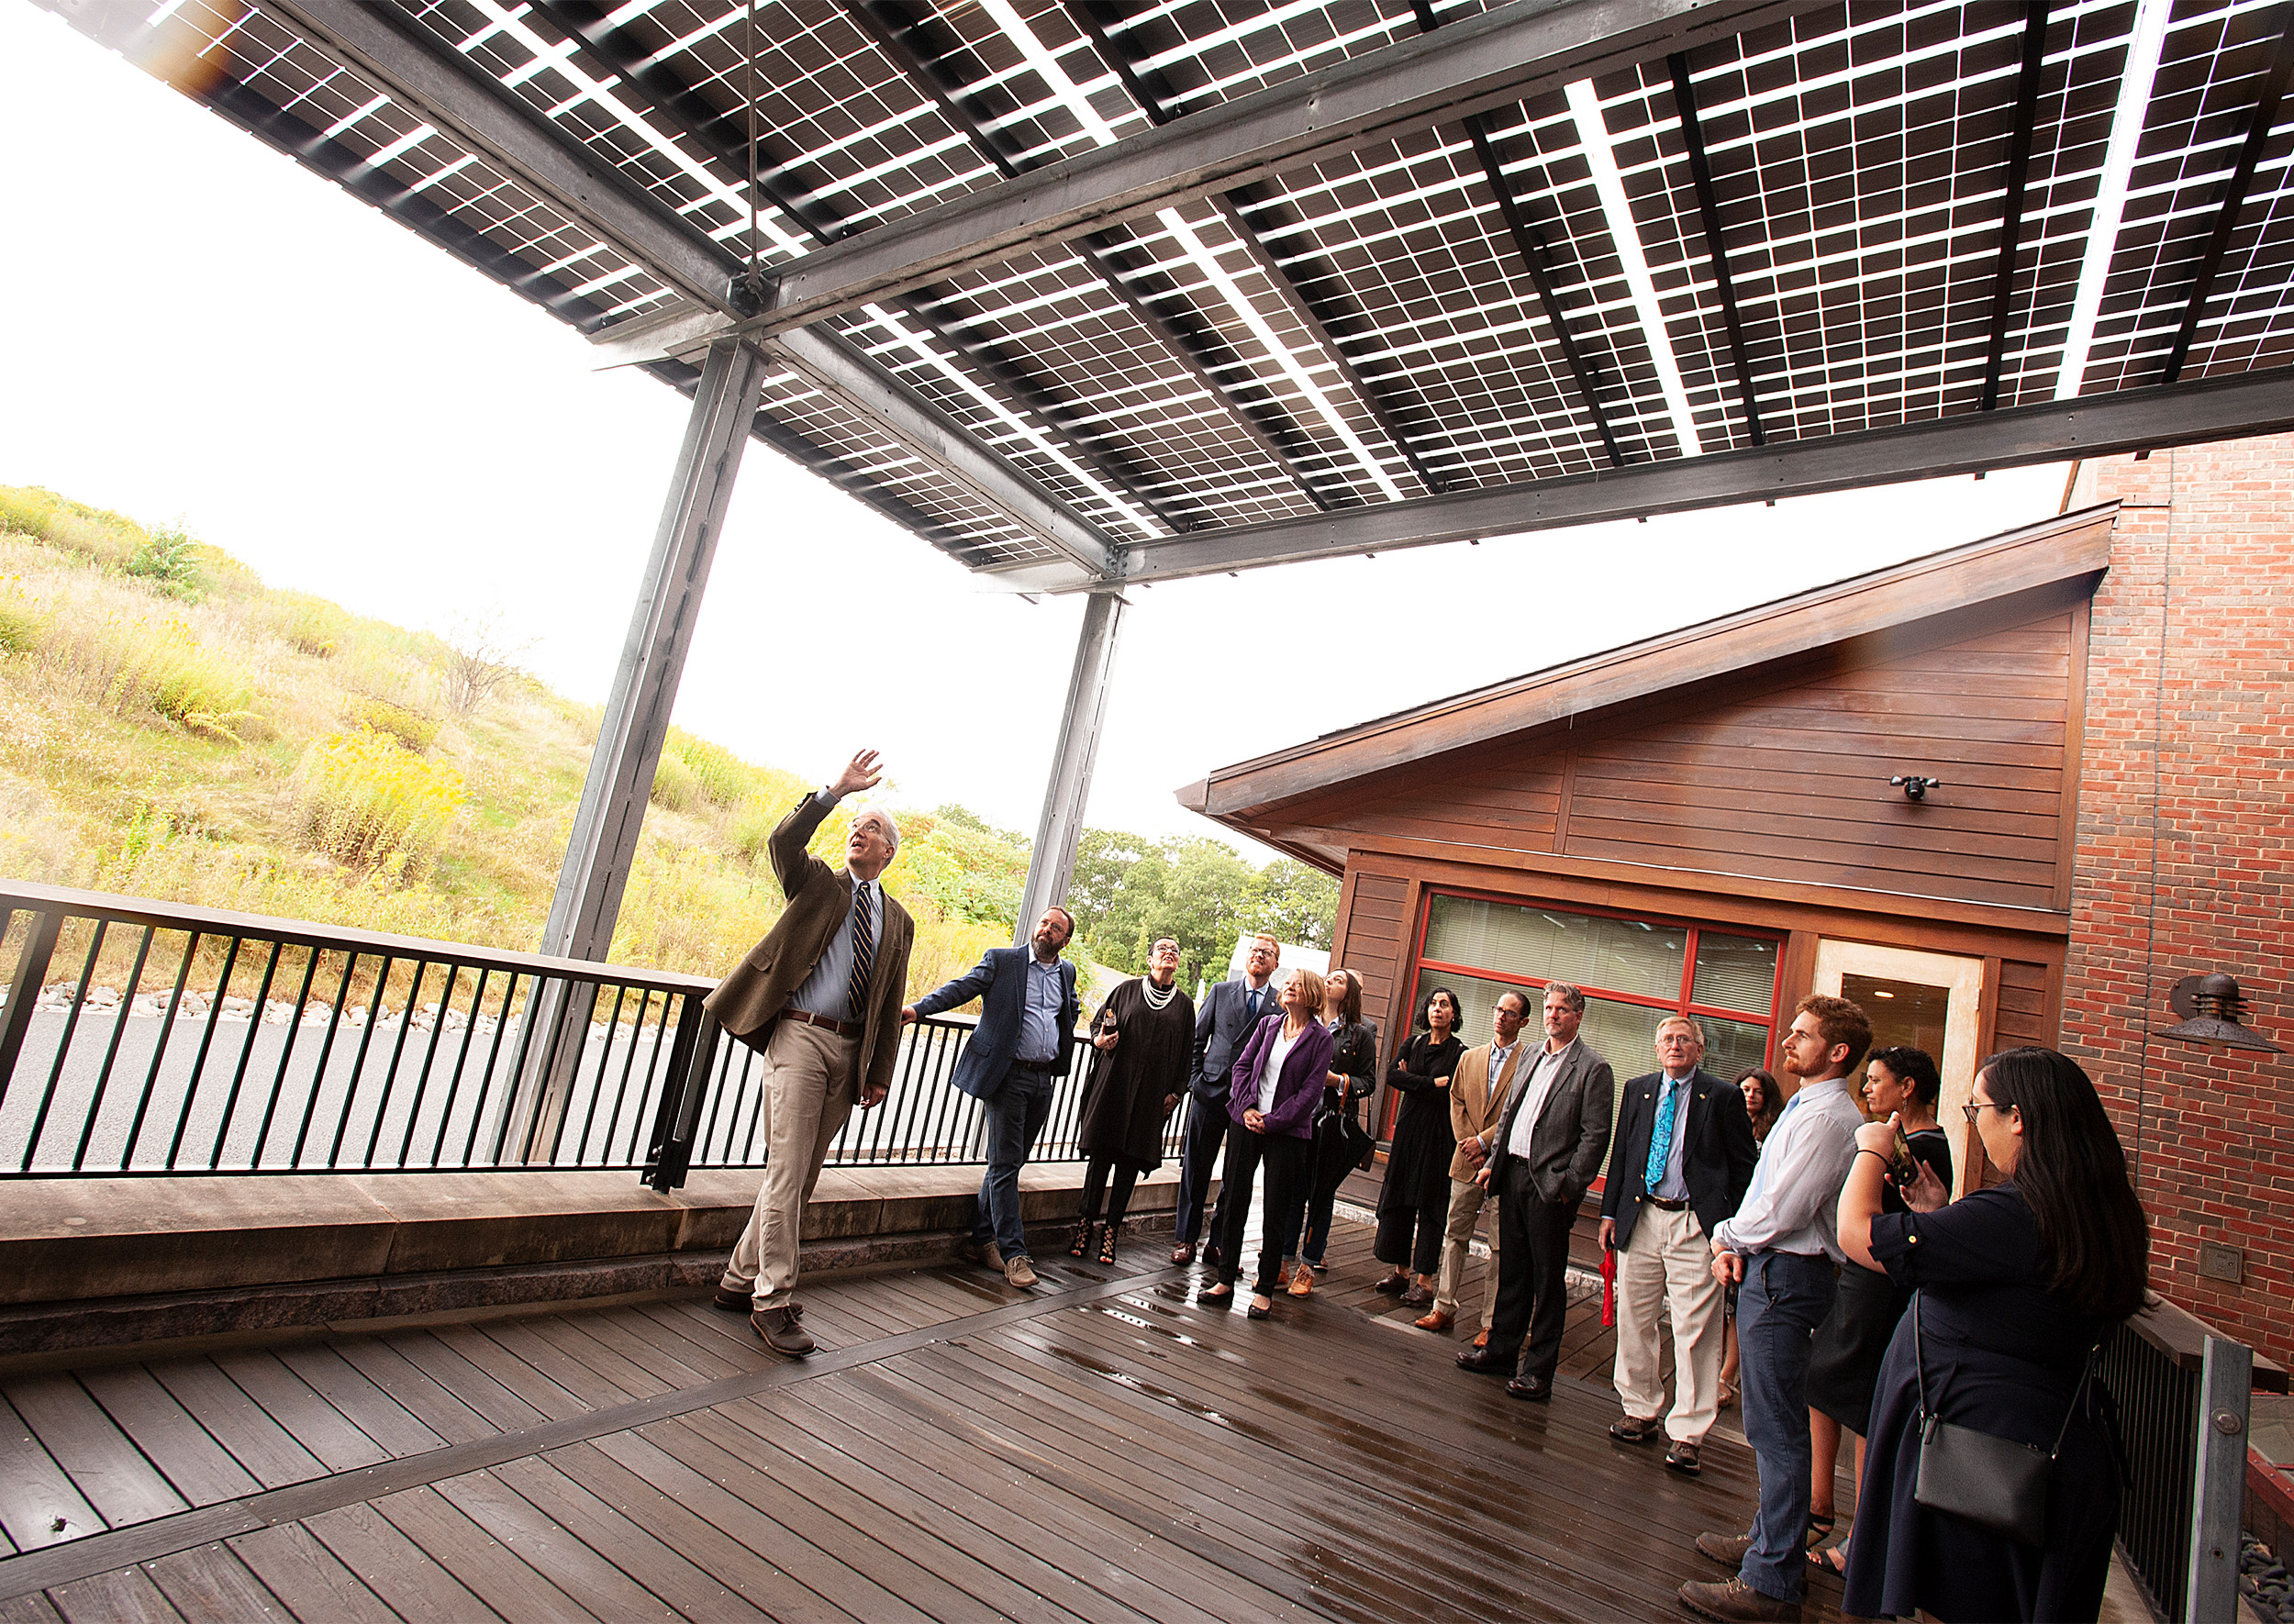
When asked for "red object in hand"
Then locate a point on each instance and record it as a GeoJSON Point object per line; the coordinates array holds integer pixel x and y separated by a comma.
{"type": "Point", "coordinates": [1608, 1288]}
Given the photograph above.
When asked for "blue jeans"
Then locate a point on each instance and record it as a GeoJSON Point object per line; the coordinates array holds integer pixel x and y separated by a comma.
{"type": "Point", "coordinates": [1014, 1115]}
{"type": "Point", "coordinates": [1783, 1299]}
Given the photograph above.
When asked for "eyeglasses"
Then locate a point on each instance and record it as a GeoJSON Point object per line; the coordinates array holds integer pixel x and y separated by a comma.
{"type": "Point", "coordinates": [1983, 1105]}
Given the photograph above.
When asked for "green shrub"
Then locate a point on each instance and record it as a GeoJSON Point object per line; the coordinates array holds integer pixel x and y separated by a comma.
{"type": "Point", "coordinates": [105, 537]}
{"type": "Point", "coordinates": [718, 775]}
{"type": "Point", "coordinates": [172, 562]}
{"type": "Point", "coordinates": [310, 624]}
{"type": "Point", "coordinates": [127, 665]}
{"type": "Point", "coordinates": [409, 727]}
{"type": "Point", "coordinates": [368, 801]}
{"type": "Point", "coordinates": [21, 623]}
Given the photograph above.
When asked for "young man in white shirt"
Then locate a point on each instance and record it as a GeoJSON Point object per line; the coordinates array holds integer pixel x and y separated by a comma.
{"type": "Point", "coordinates": [1782, 1249]}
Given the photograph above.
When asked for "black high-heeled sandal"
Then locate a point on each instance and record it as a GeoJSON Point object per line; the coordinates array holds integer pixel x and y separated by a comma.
{"type": "Point", "coordinates": [1080, 1246]}
{"type": "Point", "coordinates": [1107, 1244]}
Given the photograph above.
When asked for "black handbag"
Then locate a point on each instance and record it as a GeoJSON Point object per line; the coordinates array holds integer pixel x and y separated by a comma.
{"type": "Point", "coordinates": [1995, 1482]}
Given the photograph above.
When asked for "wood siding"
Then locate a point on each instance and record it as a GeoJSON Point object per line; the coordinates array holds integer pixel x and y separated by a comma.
{"type": "Point", "coordinates": [1372, 939]}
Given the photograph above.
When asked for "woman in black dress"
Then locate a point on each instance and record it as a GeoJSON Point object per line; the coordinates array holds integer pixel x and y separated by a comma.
{"type": "Point", "coordinates": [1145, 1035]}
{"type": "Point", "coordinates": [2016, 1284]}
{"type": "Point", "coordinates": [1845, 1364]}
{"type": "Point", "coordinates": [1414, 1204]}
{"type": "Point", "coordinates": [1353, 1075]}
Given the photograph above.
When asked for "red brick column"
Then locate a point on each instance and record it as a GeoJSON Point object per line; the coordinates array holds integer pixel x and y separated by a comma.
{"type": "Point", "coordinates": [2184, 863]}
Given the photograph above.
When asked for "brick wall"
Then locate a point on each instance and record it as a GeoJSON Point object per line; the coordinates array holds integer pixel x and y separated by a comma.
{"type": "Point", "coordinates": [2184, 863]}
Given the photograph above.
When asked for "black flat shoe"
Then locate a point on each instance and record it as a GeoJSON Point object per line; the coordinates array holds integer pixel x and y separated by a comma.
{"type": "Point", "coordinates": [1216, 1296]}
{"type": "Point", "coordinates": [1257, 1312]}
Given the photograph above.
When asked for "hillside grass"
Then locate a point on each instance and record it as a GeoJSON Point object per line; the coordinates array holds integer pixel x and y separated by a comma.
{"type": "Point", "coordinates": [172, 728]}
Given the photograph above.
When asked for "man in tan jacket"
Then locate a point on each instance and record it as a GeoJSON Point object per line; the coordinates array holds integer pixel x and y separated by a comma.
{"type": "Point", "coordinates": [1477, 1099]}
{"type": "Point", "coordinates": [820, 996]}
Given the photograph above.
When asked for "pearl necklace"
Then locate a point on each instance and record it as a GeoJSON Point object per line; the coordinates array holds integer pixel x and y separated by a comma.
{"type": "Point", "coordinates": [1147, 986]}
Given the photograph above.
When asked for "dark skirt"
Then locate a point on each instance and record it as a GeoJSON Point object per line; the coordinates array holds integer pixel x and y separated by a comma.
{"type": "Point", "coordinates": [1844, 1363]}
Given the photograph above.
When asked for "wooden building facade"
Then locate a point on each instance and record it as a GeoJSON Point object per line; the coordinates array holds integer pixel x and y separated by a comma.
{"type": "Point", "coordinates": [1705, 821]}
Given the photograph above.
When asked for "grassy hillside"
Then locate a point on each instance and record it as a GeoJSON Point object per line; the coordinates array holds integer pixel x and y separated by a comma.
{"type": "Point", "coordinates": [171, 728]}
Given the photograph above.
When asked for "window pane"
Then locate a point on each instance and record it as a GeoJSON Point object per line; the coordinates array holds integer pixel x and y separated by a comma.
{"type": "Point", "coordinates": [1733, 1047]}
{"type": "Point", "coordinates": [1620, 955]}
{"type": "Point", "coordinates": [1735, 972]}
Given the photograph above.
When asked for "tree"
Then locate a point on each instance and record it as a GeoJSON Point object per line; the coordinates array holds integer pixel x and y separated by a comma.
{"type": "Point", "coordinates": [1297, 903]}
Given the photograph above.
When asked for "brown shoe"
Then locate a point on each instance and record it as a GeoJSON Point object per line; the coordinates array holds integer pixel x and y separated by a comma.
{"type": "Point", "coordinates": [1282, 1274]}
{"type": "Point", "coordinates": [1635, 1429]}
{"type": "Point", "coordinates": [1418, 1297]}
{"type": "Point", "coordinates": [1735, 1602]}
{"type": "Point", "coordinates": [1682, 1458]}
{"type": "Point", "coordinates": [1728, 1549]}
{"type": "Point", "coordinates": [784, 1331]}
{"type": "Point", "coordinates": [1481, 1337]}
{"type": "Point", "coordinates": [1393, 1285]}
{"type": "Point", "coordinates": [1019, 1271]}
{"type": "Point", "coordinates": [1437, 1321]}
{"type": "Point", "coordinates": [733, 1302]}
{"type": "Point", "coordinates": [1183, 1254]}
{"type": "Point", "coordinates": [1302, 1283]}
{"type": "Point", "coordinates": [1530, 1389]}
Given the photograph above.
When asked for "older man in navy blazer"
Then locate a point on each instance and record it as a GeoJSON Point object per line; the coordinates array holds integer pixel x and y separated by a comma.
{"type": "Point", "coordinates": [1684, 1156]}
{"type": "Point", "coordinates": [1028, 1011]}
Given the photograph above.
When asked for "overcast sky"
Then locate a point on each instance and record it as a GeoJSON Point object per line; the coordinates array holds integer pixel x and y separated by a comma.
{"type": "Point", "coordinates": [197, 328]}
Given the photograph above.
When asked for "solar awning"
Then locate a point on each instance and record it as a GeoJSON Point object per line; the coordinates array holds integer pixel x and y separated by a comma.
{"type": "Point", "coordinates": [1117, 290]}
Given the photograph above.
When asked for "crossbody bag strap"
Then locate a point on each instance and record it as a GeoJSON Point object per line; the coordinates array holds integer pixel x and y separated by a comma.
{"type": "Point", "coordinates": [2094, 1357]}
{"type": "Point", "coordinates": [1919, 1358]}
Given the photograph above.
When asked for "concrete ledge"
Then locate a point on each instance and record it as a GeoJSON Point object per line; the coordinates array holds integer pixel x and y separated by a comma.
{"type": "Point", "coordinates": [89, 1262]}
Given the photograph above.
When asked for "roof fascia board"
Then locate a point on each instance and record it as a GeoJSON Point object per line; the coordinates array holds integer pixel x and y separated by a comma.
{"type": "Point", "coordinates": [1501, 56]}
{"type": "Point", "coordinates": [2058, 550]}
{"type": "Point", "coordinates": [2015, 437]}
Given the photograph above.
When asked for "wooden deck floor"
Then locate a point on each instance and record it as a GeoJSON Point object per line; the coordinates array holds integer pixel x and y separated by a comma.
{"type": "Point", "coordinates": [1102, 1448]}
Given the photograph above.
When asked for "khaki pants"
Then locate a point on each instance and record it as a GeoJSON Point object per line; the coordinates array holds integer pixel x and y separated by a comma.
{"type": "Point", "coordinates": [809, 1085]}
{"type": "Point", "coordinates": [1669, 1264]}
{"type": "Point", "coordinates": [1466, 1205]}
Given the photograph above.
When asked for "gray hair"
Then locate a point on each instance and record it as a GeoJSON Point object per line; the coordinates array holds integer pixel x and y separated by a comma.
{"type": "Point", "coordinates": [884, 821]}
{"type": "Point", "coordinates": [1572, 996]}
{"type": "Point", "coordinates": [1696, 1027]}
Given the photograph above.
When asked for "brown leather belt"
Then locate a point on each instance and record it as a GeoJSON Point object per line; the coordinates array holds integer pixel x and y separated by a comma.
{"type": "Point", "coordinates": [1667, 1205]}
{"type": "Point", "coordinates": [842, 1029]}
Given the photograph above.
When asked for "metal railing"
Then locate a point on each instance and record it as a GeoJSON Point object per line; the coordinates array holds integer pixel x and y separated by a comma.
{"type": "Point", "coordinates": [143, 1037]}
{"type": "Point", "coordinates": [2182, 1393]}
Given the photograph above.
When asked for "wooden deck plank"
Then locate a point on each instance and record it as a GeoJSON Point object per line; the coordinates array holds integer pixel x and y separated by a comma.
{"type": "Point", "coordinates": [102, 1463]}
{"type": "Point", "coordinates": [39, 1503]}
{"type": "Point", "coordinates": [484, 1565]}
{"type": "Point", "coordinates": [687, 1587]}
{"type": "Point", "coordinates": [394, 1428]}
{"type": "Point", "coordinates": [263, 1448]}
{"type": "Point", "coordinates": [288, 1399]}
{"type": "Point", "coordinates": [211, 1583]}
{"type": "Point", "coordinates": [718, 1551]}
{"type": "Point", "coordinates": [415, 1390]}
{"type": "Point", "coordinates": [200, 1469]}
{"type": "Point", "coordinates": [395, 1568]}
{"type": "Point", "coordinates": [125, 1595]}
{"type": "Point", "coordinates": [491, 1381]}
{"type": "Point", "coordinates": [534, 1370]}
{"type": "Point", "coordinates": [588, 1579]}
{"type": "Point", "coordinates": [578, 1361]}
{"type": "Point", "coordinates": [34, 1608]}
{"type": "Point", "coordinates": [308, 1578]}
{"type": "Point", "coordinates": [636, 1340]}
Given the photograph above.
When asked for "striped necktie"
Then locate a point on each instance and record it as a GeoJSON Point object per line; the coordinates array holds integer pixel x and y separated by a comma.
{"type": "Point", "coordinates": [864, 956]}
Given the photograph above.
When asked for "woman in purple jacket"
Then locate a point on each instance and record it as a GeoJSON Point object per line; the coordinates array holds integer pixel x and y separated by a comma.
{"type": "Point", "coordinates": [1276, 1085]}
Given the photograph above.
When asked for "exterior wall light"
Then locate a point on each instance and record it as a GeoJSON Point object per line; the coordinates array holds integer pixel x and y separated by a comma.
{"type": "Point", "coordinates": [2210, 1007]}
{"type": "Point", "coordinates": [1915, 787]}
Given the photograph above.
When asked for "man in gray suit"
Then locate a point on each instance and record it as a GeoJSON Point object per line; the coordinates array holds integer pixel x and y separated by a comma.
{"type": "Point", "coordinates": [1221, 1028]}
{"type": "Point", "coordinates": [1556, 1133]}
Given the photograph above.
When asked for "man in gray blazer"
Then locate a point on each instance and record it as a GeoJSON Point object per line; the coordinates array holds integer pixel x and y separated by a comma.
{"type": "Point", "coordinates": [821, 997]}
{"type": "Point", "coordinates": [1548, 1149]}
{"type": "Point", "coordinates": [1223, 1026]}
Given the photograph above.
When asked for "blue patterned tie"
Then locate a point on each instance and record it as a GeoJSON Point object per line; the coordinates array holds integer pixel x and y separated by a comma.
{"type": "Point", "coordinates": [1661, 1136]}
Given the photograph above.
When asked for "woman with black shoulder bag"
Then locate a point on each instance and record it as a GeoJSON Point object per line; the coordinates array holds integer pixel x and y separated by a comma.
{"type": "Point", "coordinates": [1341, 1144]}
{"type": "Point", "coordinates": [1992, 1476]}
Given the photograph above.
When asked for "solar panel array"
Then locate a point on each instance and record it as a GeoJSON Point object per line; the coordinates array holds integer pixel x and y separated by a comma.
{"type": "Point", "coordinates": [1534, 292]}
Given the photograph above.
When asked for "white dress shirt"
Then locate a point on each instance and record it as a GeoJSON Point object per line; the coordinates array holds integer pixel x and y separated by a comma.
{"type": "Point", "coordinates": [1793, 1203]}
{"type": "Point", "coordinates": [1270, 1072]}
{"type": "Point", "coordinates": [1535, 1090]}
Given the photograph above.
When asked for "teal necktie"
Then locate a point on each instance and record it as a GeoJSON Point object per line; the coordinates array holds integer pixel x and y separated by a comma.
{"type": "Point", "coordinates": [1661, 1137]}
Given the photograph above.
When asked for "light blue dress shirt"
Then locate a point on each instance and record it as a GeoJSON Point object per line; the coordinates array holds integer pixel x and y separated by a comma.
{"type": "Point", "coordinates": [1674, 1185]}
{"type": "Point", "coordinates": [827, 992]}
{"type": "Point", "coordinates": [1039, 1012]}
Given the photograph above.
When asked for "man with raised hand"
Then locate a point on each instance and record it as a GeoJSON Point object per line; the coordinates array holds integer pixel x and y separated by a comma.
{"type": "Point", "coordinates": [1017, 1055]}
{"type": "Point", "coordinates": [820, 996]}
{"type": "Point", "coordinates": [1782, 1250]}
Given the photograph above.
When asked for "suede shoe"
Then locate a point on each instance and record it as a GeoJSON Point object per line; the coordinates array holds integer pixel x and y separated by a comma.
{"type": "Point", "coordinates": [1530, 1389]}
{"type": "Point", "coordinates": [732, 1301]}
{"type": "Point", "coordinates": [1635, 1430]}
{"type": "Point", "coordinates": [1484, 1362]}
{"type": "Point", "coordinates": [1436, 1321]}
{"type": "Point", "coordinates": [1019, 1271]}
{"type": "Point", "coordinates": [1735, 1602]}
{"type": "Point", "coordinates": [1682, 1458]}
{"type": "Point", "coordinates": [1728, 1549]}
{"type": "Point", "coordinates": [784, 1331]}
{"type": "Point", "coordinates": [984, 1253]}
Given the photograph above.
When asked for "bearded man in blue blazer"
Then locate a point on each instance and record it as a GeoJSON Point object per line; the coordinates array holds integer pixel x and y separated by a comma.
{"type": "Point", "coordinates": [1017, 1055]}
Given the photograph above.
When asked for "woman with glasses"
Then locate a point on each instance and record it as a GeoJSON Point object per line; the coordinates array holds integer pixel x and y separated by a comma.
{"type": "Point", "coordinates": [1145, 1035]}
{"type": "Point", "coordinates": [1277, 1085]}
{"type": "Point", "coordinates": [1414, 1202]}
{"type": "Point", "coordinates": [2017, 1285]}
{"type": "Point", "coordinates": [1353, 1075]}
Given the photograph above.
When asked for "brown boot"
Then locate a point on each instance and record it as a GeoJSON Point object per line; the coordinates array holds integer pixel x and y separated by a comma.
{"type": "Point", "coordinates": [1733, 1601]}
{"type": "Point", "coordinates": [784, 1331]}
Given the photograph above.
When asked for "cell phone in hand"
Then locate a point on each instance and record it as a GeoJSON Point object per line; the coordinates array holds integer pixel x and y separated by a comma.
{"type": "Point", "coordinates": [1902, 1166]}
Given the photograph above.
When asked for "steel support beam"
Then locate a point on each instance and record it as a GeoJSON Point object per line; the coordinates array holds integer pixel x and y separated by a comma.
{"type": "Point", "coordinates": [2011, 213]}
{"type": "Point", "coordinates": [1500, 57]}
{"type": "Point", "coordinates": [2013, 437]}
{"type": "Point", "coordinates": [1716, 248]}
{"type": "Point", "coordinates": [2218, 1489]}
{"type": "Point", "coordinates": [1052, 863]}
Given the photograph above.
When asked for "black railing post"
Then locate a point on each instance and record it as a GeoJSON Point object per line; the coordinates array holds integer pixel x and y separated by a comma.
{"type": "Point", "coordinates": [31, 967]}
{"type": "Point", "coordinates": [690, 1062]}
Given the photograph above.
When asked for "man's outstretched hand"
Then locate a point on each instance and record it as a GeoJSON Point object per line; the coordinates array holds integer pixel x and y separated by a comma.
{"type": "Point", "coordinates": [861, 772]}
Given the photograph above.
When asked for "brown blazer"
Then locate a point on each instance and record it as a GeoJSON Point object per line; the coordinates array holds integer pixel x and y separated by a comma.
{"type": "Point", "coordinates": [1476, 1102]}
{"type": "Point", "coordinates": [746, 1002]}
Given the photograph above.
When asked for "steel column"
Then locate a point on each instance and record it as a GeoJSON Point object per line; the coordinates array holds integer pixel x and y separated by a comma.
{"type": "Point", "coordinates": [2219, 1482]}
{"type": "Point", "coordinates": [1052, 860]}
{"type": "Point", "coordinates": [612, 809]}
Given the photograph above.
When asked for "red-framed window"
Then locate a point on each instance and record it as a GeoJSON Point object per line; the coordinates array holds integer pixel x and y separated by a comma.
{"type": "Point", "coordinates": [1635, 970]}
